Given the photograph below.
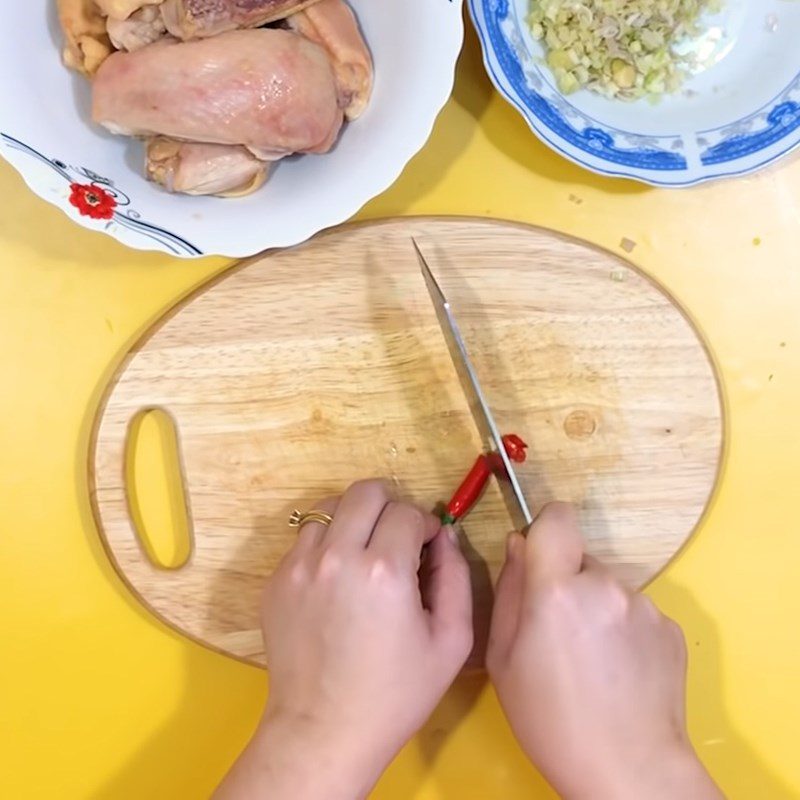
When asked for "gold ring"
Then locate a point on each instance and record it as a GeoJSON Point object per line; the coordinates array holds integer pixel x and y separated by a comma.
{"type": "Point", "coordinates": [300, 518]}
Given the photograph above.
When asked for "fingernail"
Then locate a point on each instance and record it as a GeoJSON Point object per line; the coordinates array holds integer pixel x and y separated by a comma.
{"type": "Point", "coordinates": [451, 534]}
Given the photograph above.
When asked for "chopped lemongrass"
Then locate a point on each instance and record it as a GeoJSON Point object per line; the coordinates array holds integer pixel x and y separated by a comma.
{"type": "Point", "coordinates": [618, 48]}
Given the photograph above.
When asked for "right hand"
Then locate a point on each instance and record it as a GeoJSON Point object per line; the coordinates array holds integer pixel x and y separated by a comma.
{"type": "Point", "coordinates": [591, 676]}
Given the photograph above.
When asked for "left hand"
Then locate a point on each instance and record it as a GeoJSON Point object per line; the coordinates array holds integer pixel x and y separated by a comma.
{"type": "Point", "coordinates": [363, 636]}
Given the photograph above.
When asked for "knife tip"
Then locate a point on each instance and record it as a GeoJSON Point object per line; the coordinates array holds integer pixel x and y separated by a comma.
{"type": "Point", "coordinates": [423, 262]}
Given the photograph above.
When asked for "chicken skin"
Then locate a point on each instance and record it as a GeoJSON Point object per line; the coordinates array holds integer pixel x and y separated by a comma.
{"type": "Point", "coordinates": [271, 91]}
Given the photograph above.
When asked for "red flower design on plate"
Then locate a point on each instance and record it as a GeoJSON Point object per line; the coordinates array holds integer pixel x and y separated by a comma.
{"type": "Point", "coordinates": [92, 201]}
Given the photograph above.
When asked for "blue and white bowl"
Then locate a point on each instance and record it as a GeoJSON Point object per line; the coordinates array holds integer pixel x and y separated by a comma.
{"type": "Point", "coordinates": [740, 113]}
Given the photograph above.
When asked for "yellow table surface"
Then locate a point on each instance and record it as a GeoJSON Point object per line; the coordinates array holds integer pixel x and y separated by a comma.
{"type": "Point", "coordinates": [99, 700]}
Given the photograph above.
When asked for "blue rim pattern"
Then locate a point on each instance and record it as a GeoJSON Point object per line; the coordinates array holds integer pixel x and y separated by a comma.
{"type": "Point", "coordinates": [782, 121]}
{"type": "Point", "coordinates": [659, 160]}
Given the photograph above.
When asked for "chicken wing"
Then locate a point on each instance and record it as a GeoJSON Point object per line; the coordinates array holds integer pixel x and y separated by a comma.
{"type": "Point", "coordinates": [200, 169]}
{"type": "Point", "coordinates": [87, 44]}
{"type": "Point", "coordinates": [270, 90]}
{"type": "Point", "coordinates": [194, 19]}
{"type": "Point", "coordinates": [332, 24]}
{"type": "Point", "coordinates": [143, 27]}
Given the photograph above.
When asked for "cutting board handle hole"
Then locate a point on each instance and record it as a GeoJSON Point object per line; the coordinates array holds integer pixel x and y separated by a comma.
{"type": "Point", "coordinates": [157, 500]}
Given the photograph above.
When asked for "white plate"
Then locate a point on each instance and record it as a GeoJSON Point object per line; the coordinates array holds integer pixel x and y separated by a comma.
{"type": "Point", "coordinates": [46, 134]}
{"type": "Point", "coordinates": [741, 112]}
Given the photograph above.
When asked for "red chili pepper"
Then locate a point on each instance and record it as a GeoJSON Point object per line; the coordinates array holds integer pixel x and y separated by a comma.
{"type": "Point", "coordinates": [473, 485]}
{"type": "Point", "coordinates": [469, 492]}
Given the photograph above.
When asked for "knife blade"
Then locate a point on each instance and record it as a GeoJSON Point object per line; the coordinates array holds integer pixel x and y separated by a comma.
{"type": "Point", "coordinates": [484, 419]}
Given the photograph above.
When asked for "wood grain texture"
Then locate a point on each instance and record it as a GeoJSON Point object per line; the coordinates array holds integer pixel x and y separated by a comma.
{"type": "Point", "coordinates": [304, 370]}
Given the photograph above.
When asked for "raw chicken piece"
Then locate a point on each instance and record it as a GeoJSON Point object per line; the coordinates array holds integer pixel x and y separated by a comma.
{"type": "Point", "coordinates": [332, 24]}
{"type": "Point", "coordinates": [191, 168]}
{"type": "Point", "coordinates": [87, 43]}
{"type": "Point", "coordinates": [122, 9]}
{"type": "Point", "coordinates": [270, 90]}
{"type": "Point", "coordinates": [143, 27]}
{"type": "Point", "coordinates": [193, 19]}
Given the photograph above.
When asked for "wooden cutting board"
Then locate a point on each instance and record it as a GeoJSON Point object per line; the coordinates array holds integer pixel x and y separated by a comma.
{"type": "Point", "coordinates": [301, 371]}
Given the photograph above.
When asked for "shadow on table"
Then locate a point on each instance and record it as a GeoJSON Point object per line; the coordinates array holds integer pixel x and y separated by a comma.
{"type": "Point", "coordinates": [476, 105]}
{"type": "Point", "coordinates": [186, 756]}
{"type": "Point", "coordinates": [451, 136]}
{"type": "Point", "coordinates": [725, 752]}
{"type": "Point", "coordinates": [206, 731]}
{"type": "Point", "coordinates": [494, 766]}
{"type": "Point", "coordinates": [507, 130]}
